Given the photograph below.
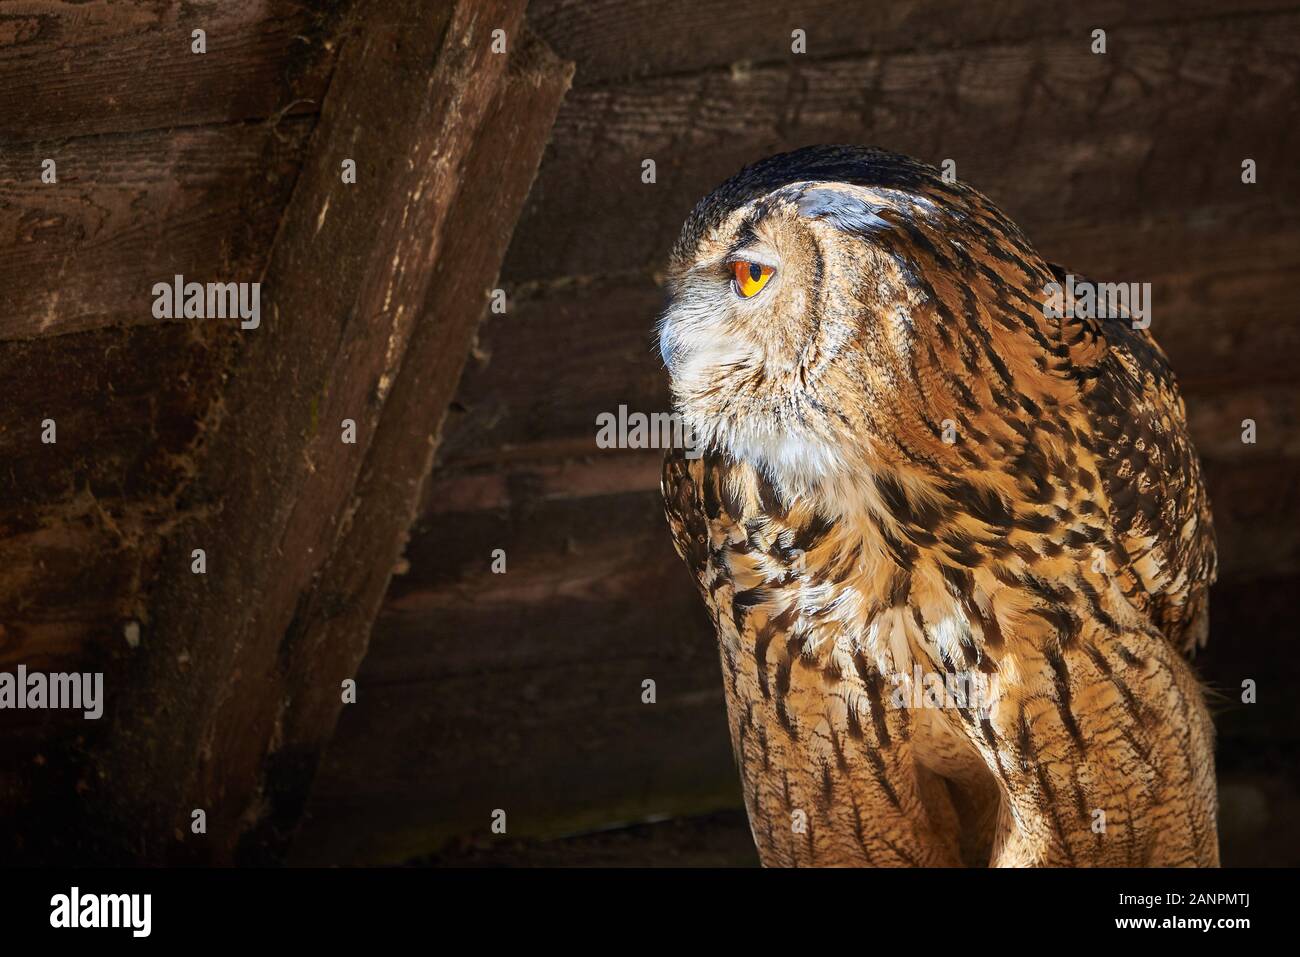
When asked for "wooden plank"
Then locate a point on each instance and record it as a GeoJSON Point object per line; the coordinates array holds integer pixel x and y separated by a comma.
{"type": "Point", "coordinates": [1040, 126]}
{"type": "Point", "coordinates": [1215, 421]}
{"type": "Point", "coordinates": [1248, 642]}
{"type": "Point", "coordinates": [552, 774]}
{"type": "Point", "coordinates": [616, 40]}
{"type": "Point", "coordinates": [342, 292]}
{"type": "Point", "coordinates": [82, 69]}
{"type": "Point", "coordinates": [129, 211]}
{"type": "Point", "coordinates": [523, 690]}
{"type": "Point", "coordinates": [125, 403]}
{"type": "Point", "coordinates": [328, 637]}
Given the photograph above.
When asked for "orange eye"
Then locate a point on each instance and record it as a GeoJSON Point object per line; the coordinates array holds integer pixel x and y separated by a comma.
{"type": "Point", "coordinates": [750, 277]}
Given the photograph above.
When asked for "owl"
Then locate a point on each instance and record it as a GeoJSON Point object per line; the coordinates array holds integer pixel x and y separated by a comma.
{"type": "Point", "coordinates": [948, 524]}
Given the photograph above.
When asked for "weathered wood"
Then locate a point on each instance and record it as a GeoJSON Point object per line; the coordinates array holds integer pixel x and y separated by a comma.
{"type": "Point", "coordinates": [81, 69]}
{"type": "Point", "coordinates": [614, 40]}
{"type": "Point", "coordinates": [1250, 631]}
{"type": "Point", "coordinates": [342, 293]}
{"type": "Point", "coordinates": [79, 519]}
{"type": "Point", "coordinates": [1039, 125]}
{"type": "Point", "coordinates": [129, 211]}
{"type": "Point", "coordinates": [523, 691]}
{"type": "Point", "coordinates": [164, 165]}
{"type": "Point", "coordinates": [1215, 420]}
{"type": "Point", "coordinates": [328, 637]}
{"type": "Point", "coordinates": [1256, 507]}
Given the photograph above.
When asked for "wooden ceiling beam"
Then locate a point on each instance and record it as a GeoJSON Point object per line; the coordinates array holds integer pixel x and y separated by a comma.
{"type": "Point", "coordinates": [370, 303]}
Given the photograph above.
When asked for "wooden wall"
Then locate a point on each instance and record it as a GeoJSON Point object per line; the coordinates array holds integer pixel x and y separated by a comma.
{"type": "Point", "coordinates": [522, 691]}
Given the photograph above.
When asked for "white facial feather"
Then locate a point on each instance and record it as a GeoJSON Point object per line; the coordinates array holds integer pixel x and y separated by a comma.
{"type": "Point", "coordinates": [698, 354]}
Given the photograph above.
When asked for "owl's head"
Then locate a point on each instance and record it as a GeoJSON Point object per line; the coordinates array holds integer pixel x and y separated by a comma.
{"type": "Point", "coordinates": [835, 308]}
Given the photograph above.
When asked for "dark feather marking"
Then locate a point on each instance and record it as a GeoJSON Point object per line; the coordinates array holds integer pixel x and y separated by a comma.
{"type": "Point", "coordinates": [1061, 680]}
{"type": "Point", "coordinates": [984, 504]}
{"type": "Point", "coordinates": [873, 686]}
{"type": "Point", "coordinates": [911, 510]}
{"type": "Point", "coordinates": [903, 553]}
{"type": "Point", "coordinates": [811, 533]}
{"type": "Point", "coordinates": [827, 789]}
{"type": "Point", "coordinates": [782, 689]}
{"type": "Point", "coordinates": [1063, 621]}
{"type": "Point", "coordinates": [1129, 658]}
{"type": "Point", "coordinates": [858, 830]}
{"type": "Point", "coordinates": [900, 587]}
{"type": "Point", "coordinates": [991, 738]}
{"type": "Point", "coordinates": [881, 774]}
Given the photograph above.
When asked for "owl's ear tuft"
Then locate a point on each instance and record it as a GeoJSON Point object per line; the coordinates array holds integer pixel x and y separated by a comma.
{"type": "Point", "coordinates": [845, 211]}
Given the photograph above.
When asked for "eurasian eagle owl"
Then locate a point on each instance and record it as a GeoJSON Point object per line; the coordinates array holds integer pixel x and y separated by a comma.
{"type": "Point", "coordinates": [955, 544]}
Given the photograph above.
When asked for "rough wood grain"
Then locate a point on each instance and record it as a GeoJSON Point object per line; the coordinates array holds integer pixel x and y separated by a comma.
{"type": "Point", "coordinates": [129, 211]}
{"type": "Point", "coordinates": [167, 162]}
{"type": "Point", "coordinates": [80, 518]}
{"type": "Point", "coordinates": [342, 292]}
{"type": "Point", "coordinates": [106, 66]}
{"type": "Point", "coordinates": [79, 530]}
{"type": "Point", "coordinates": [615, 40]}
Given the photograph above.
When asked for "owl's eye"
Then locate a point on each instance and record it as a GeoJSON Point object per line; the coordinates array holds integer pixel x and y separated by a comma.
{"type": "Point", "coordinates": [750, 277]}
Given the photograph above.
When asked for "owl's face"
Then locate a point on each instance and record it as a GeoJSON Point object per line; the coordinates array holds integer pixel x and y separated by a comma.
{"type": "Point", "coordinates": [811, 327]}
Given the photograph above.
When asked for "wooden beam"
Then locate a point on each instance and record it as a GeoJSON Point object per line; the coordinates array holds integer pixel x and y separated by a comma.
{"type": "Point", "coordinates": [343, 295]}
{"type": "Point", "coordinates": [183, 167]}
{"type": "Point", "coordinates": [329, 635]}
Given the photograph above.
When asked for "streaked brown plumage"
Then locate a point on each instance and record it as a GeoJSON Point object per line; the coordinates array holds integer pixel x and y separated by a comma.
{"type": "Point", "coordinates": [910, 469]}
